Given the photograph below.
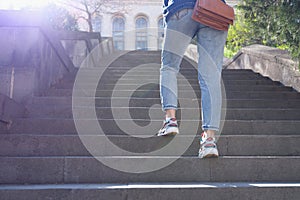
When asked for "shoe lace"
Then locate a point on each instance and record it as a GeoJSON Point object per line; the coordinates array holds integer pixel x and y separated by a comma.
{"type": "Point", "coordinates": [207, 141]}
{"type": "Point", "coordinates": [171, 121]}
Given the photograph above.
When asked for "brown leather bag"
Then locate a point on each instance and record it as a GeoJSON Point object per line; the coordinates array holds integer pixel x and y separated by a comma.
{"type": "Point", "coordinates": [213, 13]}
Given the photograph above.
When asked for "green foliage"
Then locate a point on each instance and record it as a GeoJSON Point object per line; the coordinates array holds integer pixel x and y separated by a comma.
{"type": "Point", "coordinates": [273, 23]}
{"type": "Point", "coordinates": [60, 18]}
{"type": "Point", "coordinates": [238, 36]}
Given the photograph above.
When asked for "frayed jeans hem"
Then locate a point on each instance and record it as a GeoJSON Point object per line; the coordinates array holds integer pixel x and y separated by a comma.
{"type": "Point", "coordinates": [169, 108]}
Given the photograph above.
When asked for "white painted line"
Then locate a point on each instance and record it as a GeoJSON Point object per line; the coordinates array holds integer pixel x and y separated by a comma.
{"type": "Point", "coordinates": [147, 186]}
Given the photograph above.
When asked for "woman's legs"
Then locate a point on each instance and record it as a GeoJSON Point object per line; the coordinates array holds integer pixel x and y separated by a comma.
{"type": "Point", "coordinates": [179, 31]}
{"type": "Point", "coordinates": [211, 50]}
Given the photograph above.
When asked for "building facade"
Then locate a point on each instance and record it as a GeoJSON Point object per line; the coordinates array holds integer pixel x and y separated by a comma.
{"type": "Point", "coordinates": [140, 26]}
{"type": "Point", "coordinates": [133, 24]}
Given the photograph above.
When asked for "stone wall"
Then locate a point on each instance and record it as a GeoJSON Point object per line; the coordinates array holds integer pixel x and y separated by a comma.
{"type": "Point", "coordinates": [268, 61]}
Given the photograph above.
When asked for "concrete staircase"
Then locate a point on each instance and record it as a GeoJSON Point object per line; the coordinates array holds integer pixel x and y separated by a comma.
{"type": "Point", "coordinates": [43, 157]}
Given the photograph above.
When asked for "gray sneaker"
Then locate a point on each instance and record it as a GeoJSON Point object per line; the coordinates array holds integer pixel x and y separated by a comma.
{"type": "Point", "coordinates": [208, 147]}
{"type": "Point", "coordinates": [170, 127]}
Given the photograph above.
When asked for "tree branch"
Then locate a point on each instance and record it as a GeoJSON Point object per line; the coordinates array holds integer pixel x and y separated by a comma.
{"type": "Point", "coordinates": [73, 6]}
{"type": "Point", "coordinates": [82, 17]}
{"type": "Point", "coordinates": [97, 8]}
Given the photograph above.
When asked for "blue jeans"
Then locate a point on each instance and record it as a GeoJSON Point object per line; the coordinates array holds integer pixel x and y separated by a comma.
{"type": "Point", "coordinates": [179, 30]}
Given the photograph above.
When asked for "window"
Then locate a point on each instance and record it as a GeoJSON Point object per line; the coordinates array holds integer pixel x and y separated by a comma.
{"type": "Point", "coordinates": [96, 22]}
{"type": "Point", "coordinates": [160, 33]}
{"type": "Point", "coordinates": [141, 40]}
{"type": "Point", "coordinates": [118, 33]}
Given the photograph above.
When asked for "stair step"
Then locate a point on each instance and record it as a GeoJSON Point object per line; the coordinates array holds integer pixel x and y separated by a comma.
{"type": "Point", "coordinates": [188, 94]}
{"type": "Point", "coordinates": [150, 191]}
{"type": "Point", "coordinates": [188, 73]}
{"type": "Point", "coordinates": [157, 113]}
{"type": "Point", "coordinates": [187, 68]}
{"type": "Point", "coordinates": [150, 68]}
{"type": "Point", "coordinates": [138, 102]}
{"type": "Point", "coordinates": [71, 145]}
{"type": "Point", "coordinates": [109, 127]}
{"type": "Point", "coordinates": [154, 70]}
{"type": "Point", "coordinates": [155, 89]}
{"type": "Point", "coordinates": [151, 73]}
{"type": "Point", "coordinates": [50, 170]}
{"type": "Point", "coordinates": [154, 76]}
{"type": "Point", "coordinates": [180, 82]}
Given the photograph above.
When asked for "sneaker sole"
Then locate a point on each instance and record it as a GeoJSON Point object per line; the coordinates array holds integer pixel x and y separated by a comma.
{"type": "Point", "coordinates": [168, 134]}
{"type": "Point", "coordinates": [213, 153]}
{"type": "Point", "coordinates": [172, 131]}
{"type": "Point", "coordinates": [211, 156]}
